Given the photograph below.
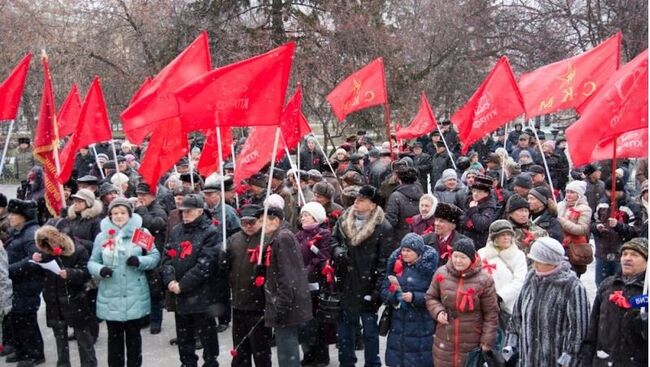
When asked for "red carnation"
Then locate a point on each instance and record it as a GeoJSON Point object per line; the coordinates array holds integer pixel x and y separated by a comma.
{"type": "Point", "coordinates": [392, 288]}
{"type": "Point", "coordinates": [215, 222]}
{"type": "Point", "coordinates": [335, 214]}
{"type": "Point", "coordinates": [409, 220]}
{"type": "Point", "coordinates": [57, 251]}
{"type": "Point", "coordinates": [234, 353]}
{"type": "Point", "coordinates": [440, 278]}
{"type": "Point", "coordinates": [111, 232]}
{"type": "Point", "coordinates": [172, 253]}
{"type": "Point", "coordinates": [259, 281]}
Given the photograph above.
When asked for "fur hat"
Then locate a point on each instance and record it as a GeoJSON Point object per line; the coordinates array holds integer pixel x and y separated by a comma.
{"type": "Point", "coordinates": [516, 202]}
{"type": "Point", "coordinates": [315, 210]}
{"type": "Point", "coordinates": [371, 193]}
{"type": "Point", "coordinates": [500, 226]}
{"type": "Point", "coordinates": [26, 208]}
{"type": "Point", "coordinates": [547, 250]}
{"type": "Point", "coordinates": [120, 201]}
{"type": "Point", "coordinates": [449, 174]}
{"type": "Point", "coordinates": [590, 168]}
{"type": "Point", "coordinates": [414, 242]}
{"type": "Point", "coordinates": [466, 246]}
{"type": "Point", "coordinates": [48, 239]}
{"type": "Point", "coordinates": [275, 201]}
{"type": "Point", "coordinates": [482, 182]}
{"type": "Point", "coordinates": [540, 193]}
{"type": "Point", "coordinates": [315, 175]}
{"type": "Point", "coordinates": [449, 212]}
{"type": "Point", "coordinates": [638, 244]}
{"type": "Point", "coordinates": [259, 180]}
{"type": "Point", "coordinates": [119, 178]}
{"type": "Point", "coordinates": [577, 186]}
{"type": "Point", "coordinates": [23, 140]}
{"type": "Point", "coordinates": [86, 195]}
{"type": "Point", "coordinates": [324, 189]}
{"type": "Point", "coordinates": [88, 179]}
{"type": "Point", "coordinates": [353, 178]}
{"type": "Point", "coordinates": [192, 201]}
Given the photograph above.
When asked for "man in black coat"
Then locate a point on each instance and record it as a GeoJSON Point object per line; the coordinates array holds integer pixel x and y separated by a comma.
{"type": "Point", "coordinates": [422, 163]}
{"type": "Point", "coordinates": [362, 240]}
{"type": "Point", "coordinates": [190, 263]}
{"type": "Point", "coordinates": [439, 163]}
{"type": "Point", "coordinates": [543, 212]}
{"type": "Point", "coordinates": [617, 334]}
{"type": "Point", "coordinates": [448, 217]}
{"type": "Point", "coordinates": [21, 329]}
{"type": "Point", "coordinates": [154, 218]}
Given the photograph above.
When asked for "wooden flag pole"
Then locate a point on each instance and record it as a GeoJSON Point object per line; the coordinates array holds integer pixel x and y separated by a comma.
{"type": "Point", "coordinates": [612, 207]}
{"type": "Point", "coordinates": [268, 191]}
{"type": "Point", "coordinates": [223, 190]}
{"type": "Point", "coordinates": [101, 170]}
{"type": "Point", "coordinates": [4, 151]}
{"type": "Point", "coordinates": [296, 175]}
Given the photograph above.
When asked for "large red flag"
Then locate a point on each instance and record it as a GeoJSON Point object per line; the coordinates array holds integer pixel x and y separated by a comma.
{"type": "Point", "coordinates": [568, 83]}
{"type": "Point", "coordinates": [209, 160]}
{"type": "Point", "coordinates": [365, 88]}
{"type": "Point", "coordinates": [11, 90]}
{"type": "Point", "coordinates": [494, 103]}
{"type": "Point", "coordinates": [621, 105]}
{"type": "Point", "coordinates": [46, 141]}
{"type": "Point", "coordinates": [143, 88]}
{"type": "Point", "coordinates": [293, 123]}
{"type": "Point", "coordinates": [167, 145]}
{"type": "Point", "coordinates": [423, 123]}
{"type": "Point", "coordinates": [632, 144]}
{"type": "Point", "coordinates": [156, 103]}
{"type": "Point", "coordinates": [93, 126]}
{"type": "Point", "coordinates": [256, 152]}
{"type": "Point", "coordinates": [247, 93]}
{"type": "Point", "coordinates": [69, 112]}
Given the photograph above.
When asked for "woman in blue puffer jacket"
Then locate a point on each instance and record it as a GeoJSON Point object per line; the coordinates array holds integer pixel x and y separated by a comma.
{"type": "Point", "coordinates": [408, 276]}
{"type": "Point", "coordinates": [123, 297]}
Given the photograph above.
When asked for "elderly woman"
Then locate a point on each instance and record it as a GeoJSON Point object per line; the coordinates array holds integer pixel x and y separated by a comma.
{"type": "Point", "coordinates": [463, 300]}
{"type": "Point", "coordinates": [409, 273]}
{"type": "Point", "coordinates": [424, 222]}
{"type": "Point", "coordinates": [120, 264]}
{"type": "Point", "coordinates": [574, 215]}
{"type": "Point", "coordinates": [342, 157]}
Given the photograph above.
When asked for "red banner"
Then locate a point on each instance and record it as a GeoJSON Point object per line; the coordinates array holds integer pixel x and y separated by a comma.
{"type": "Point", "coordinates": [168, 144]}
{"type": "Point", "coordinates": [69, 112]}
{"type": "Point", "coordinates": [209, 160]}
{"type": "Point", "coordinates": [11, 90]}
{"type": "Point", "coordinates": [293, 123]}
{"type": "Point", "coordinates": [46, 141]}
{"type": "Point", "coordinates": [494, 103]}
{"type": "Point", "coordinates": [632, 144]}
{"type": "Point", "coordinates": [621, 105]}
{"type": "Point", "coordinates": [570, 82]}
{"type": "Point", "coordinates": [423, 123]}
{"type": "Point", "coordinates": [256, 152]}
{"type": "Point", "coordinates": [365, 88]}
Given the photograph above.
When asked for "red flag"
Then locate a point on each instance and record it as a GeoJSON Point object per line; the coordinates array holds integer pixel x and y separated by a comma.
{"type": "Point", "coordinates": [621, 105]}
{"type": "Point", "coordinates": [293, 123]}
{"type": "Point", "coordinates": [11, 90]}
{"type": "Point", "coordinates": [494, 103]}
{"type": "Point", "coordinates": [46, 141]}
{"type": "Point", "coordinates": [568, 83]}
{"type": "Point", "coordinates": [93, 126]}
{"type": "Point", "coordinates": [209, 160]}
{"type": "Point", "coordinates": [256, 152]}
{"type": "Point", "coordinates": [156, 103]}
{"type": "Point", "coordinates": [423, 123]}
{"type": "Point", "coordinates": [143, 88]}
{"type": "Point", "coordinates": [168, 144]}
{"type": "Point", "coordinates": [632, 144]}
{"type": "Point", "coordinates": [365, 88]}
{"type": "Point", "coordinates": [246, 93]}
{"type": "Point", "coordinates": [69, 113]}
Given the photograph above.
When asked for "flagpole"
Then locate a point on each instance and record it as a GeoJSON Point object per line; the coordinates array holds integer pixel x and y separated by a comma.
{"type": "Point", "coordinates": [4, 151]}
{"type": "Point", "coordinates": [503, 161]}
{"type": "Point", "coordinates": [612, 207]}
{"type": "Point", "coordinates": [234, 167]}
{"type": "Point", "coordinates": [223, 190]}
{"type": "Point", "coordinates": [387, 122]}
{"type": "Point", "coordinates": [326, 159]}
{"type": "Point", "coordinates": [298, 155]}
{"type": "Point", "coordinates": [117, 169]}
{"type": "Point", "coordinates": [548, 173]}
{"type": "Point", "coordinates": [101, 171]}
{"type": "Point", "coordinates": [191, 164]}
{"type": "Point", "coordinates": [451, 156]}
{"type": "Point", "coordinates": [295, 174]}
{"type": "Point", "coordinates": [268, 190]}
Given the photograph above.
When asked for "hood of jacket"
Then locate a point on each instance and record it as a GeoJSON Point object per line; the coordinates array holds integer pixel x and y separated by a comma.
{"type": "Point", "coordinates": [426, 264]}
{"type": "Point", "coordinates": [134, 223]}
{"type": "Point", "coordinates": [356, 236]}
{"type": "Point", "coordinates": [48, 237]}
{"type": "Point", "coordinates": [88, 213]}
{"type": "Point", "coordinates": [411, 191]}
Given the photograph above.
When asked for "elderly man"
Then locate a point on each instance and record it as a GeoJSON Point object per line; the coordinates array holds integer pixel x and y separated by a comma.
{"type": "Point", "coordinates": [549, 319]}
{"type": "Point", "coordinates": [616, 335]}
{"type": "Point", "coordinates": [447, 218]}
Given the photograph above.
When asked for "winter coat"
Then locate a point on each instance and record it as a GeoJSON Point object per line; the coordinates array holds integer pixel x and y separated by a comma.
{"type": "Point", "coordinates": [478, 220]}
{"type": "Point", "coordinates": [508, 268]}
{"type": "Point", "coordinates": [333, 211]}
{"type": "Point", "coordinates": [65, 299]}
{"type": "Point", "coordinates": [83, 164]}
{"type": "Point", "coordinates": [526, 234]}
{"type": "Point", "coordinates": [548, 222]}
{"type": "Point", "coordinates": [288, 301]}
{"type": "Point", "coordinates": [194, 268]}
{"type": "Point", "coordinates": [470, 301]}
{"type": "Point", "coordinates": [311, 159]}
{"type": "Point", "coordinates": [571, 225]}
{"type": "Point", "coordinates": [154, 219]}
{"type": "Point", "coordinates": [27, 277]}
{"type": "Point", "coordinates": [124, 295]}
{"type": "Point", "coordinates": [6, 291]}
{"type": "Point", "coordinates": [595, 193]}
{"type": "Point", "coordinates": [411, 327]}
{"type": "Point", "coordinates": [619, 332]}
{"type": "Point", "coordinates": [377, 172]}
{"type": "Point", "coordinates": [84, 226]}
{"type": "Point", "coordinates": [315, 261]}
{"type": "Point", "coordinates": [403, 203]}
{"type": "Point", "coordinates": [609, 241]}
{"type": "Point", "coordinates": [422, 226]}
{"type": "Point", "coordinates": [549, 318]}
{"type": "Point", "coordinates": [439, 163]}
{"type": "Point", "coordinates": [359, 257]}
{"type": "Point", "coordinates": [432, 240]}
{"type": "Point", "coordinates": [232, 220]}
{"type": "Point", "coordinates": [454, 196]}
{"type": "Point", "coordinates": [422, 164]}
{"type": "Point", "coordinates": [24, 162]}
{"type": "Point", "coordinates": [241, 269]}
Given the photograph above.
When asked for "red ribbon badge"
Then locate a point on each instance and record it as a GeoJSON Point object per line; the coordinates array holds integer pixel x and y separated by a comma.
{"type": "Point", "coordinates": [440, 278]}
{"type": "Point", "coordinates": [528, 238]}
{"type": "Point", "coordinates": [392, 288]}
{"type": "Point", "coordinates": [469, 224]}
{"type": "Point", "coordinates": [409, 220]}
{"type": "Point", "coordinates": [619, 300]}
{"type": "Point", "coordinates": [186, 249]}
{"type": "Point", "coordinates": [467, 300]}
{"type": "Point", "coordinates": [574, 214]}
{"type": "Point", "coordinates": [57, 251]}
{"type": "Point", "coordinates": [335, 214]}
{"type": "Point", "coordinates": [328, 272]}
{"type": "Point", "coordinates": [109, 244]}
{"type": "Point", "coordinates": [215, 222]}
{"type": "Point", "coordinates": [490, 268]}
{"type": "Point", "coordinates": [398, 268]}
{"type": "Point", "coordinates": [172, 253]}
{"type": "Point", "coordinates": [428, 230]}
{"type": "Point", "coordinates": [315, 239]}
{"type": "Point", "coordinates": [446, 253]}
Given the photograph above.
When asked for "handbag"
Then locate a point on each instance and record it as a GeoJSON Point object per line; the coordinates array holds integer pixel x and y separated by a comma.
{"type": "Point", "coordinates": [329, 307]}
{"type": "Point", "coordinates": [478, 358]}
{"type": "Point", "coordinates": [384, 320]}
{"type": "Point", "coordinates": [578, 250]}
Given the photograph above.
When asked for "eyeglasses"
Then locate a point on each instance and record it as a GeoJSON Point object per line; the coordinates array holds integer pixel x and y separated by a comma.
{"type": "Point", "coordinates": [248, 222]}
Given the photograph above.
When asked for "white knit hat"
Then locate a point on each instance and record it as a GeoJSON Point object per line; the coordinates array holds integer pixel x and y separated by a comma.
{"type": "Point", "coordinates": [119, 178]}
{"type": "Point", "coordinates": [577, 186]}
{"type": "Point", "coordinates": [316, 210]}
{"type": "Point", "coordinates": [275, 200]}
{"type": "Point", "coordinates": [547, 250]}
{"type": "Point", "coordinates": [448, 174]}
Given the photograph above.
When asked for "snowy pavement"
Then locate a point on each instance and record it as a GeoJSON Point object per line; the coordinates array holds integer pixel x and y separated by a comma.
{"type": "Point", "coordinates": [156, 350]}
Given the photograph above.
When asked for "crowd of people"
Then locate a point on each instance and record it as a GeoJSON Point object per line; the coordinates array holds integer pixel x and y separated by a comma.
{"type": "Point", "coordinates": [469, 258]}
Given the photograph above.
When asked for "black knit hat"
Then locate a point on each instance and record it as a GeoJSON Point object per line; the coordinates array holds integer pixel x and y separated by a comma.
{"type": "Point", "coordinates": [523, 180]}
{"type": "Point", "coordinates": [620, 185]}
{"type": "Point", "coordinates": [541, 193]}
{"type": "Point", "coordinates": [448, 212]}
{"type": "Point", "coordinates": [143, 188]}
{"type": "Point", "coordinates": [259, 180]}
{"type": "Point", "coordinates": [516, 202]}
{"type": "Point", "coordinates": [371, 193]}
{"type": "Point", "coordinates": [536, 169]}
{"type": "Point", "coordinates": [25, 208]}
{"type": "Point", "coordinates": [590, 168]}
{"type": "Point", "coordinates": [466, 246]}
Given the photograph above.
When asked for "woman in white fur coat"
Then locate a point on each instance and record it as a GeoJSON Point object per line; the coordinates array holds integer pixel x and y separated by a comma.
{"type": "Point", "coordinates": [506, 263]}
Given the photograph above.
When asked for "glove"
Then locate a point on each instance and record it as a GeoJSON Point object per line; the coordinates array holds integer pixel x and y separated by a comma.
{"type": "Point", "coordinates": [106, 272]}
{"type": "Point", "coordinates": [133, 261]}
